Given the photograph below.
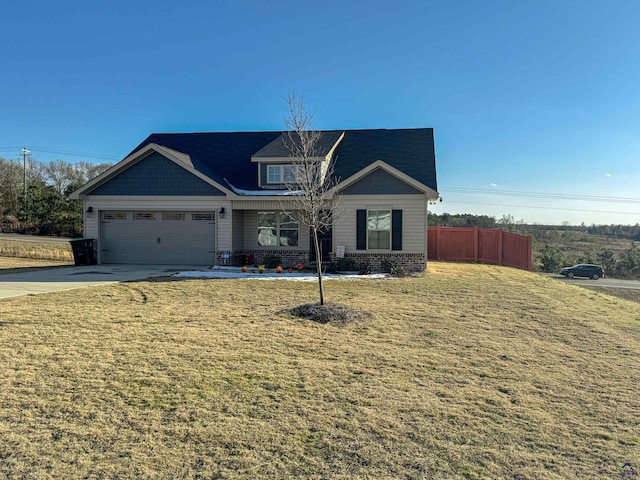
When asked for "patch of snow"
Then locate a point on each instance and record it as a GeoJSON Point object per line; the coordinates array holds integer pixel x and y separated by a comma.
{"type": "Point", "coordinates": [240, 191]}
{"type": "Point", "coordinates": [269, 274]}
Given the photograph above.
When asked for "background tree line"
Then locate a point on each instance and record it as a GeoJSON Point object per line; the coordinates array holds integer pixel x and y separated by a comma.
{"type": "Point", "coordinates": [508, 222]}
{"type": "Point", "coordinates": [43, 209]}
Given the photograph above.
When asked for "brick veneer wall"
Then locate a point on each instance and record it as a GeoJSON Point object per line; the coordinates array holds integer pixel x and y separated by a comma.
{"type": "Point", "coordinates": [288, 258]}
{"type": "Point", "coordinates": [412, 262]}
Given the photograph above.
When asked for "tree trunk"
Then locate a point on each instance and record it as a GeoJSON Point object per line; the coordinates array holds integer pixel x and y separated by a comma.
{"type": "Point", "coordinates": [318, 263]}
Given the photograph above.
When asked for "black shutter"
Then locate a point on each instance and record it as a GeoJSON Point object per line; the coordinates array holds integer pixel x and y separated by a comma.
{"type": "Point", "coordinates": [396, 230]}
{"type": "Point", "coordinates": [361, 229]}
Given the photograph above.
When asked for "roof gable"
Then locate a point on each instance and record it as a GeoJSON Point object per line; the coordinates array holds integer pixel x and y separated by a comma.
{"type": "Point", "coordinates": [380, 182]}
{"type": "Point", "coordinates": [220, 156]}
{"type": "Point", "coordinates": [155, 175]}
{"type": "Point", "coordinates": [410, 151]}
{"type": "Point", "coordinates": [279, 148]}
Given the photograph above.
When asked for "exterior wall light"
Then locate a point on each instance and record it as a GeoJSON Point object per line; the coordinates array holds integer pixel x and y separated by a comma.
{"type": "Point", "coordinates": [221, 212]}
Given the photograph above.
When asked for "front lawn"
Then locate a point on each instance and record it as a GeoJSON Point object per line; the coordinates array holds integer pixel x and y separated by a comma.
{"type": "Point", "coordinates": [471, 371]}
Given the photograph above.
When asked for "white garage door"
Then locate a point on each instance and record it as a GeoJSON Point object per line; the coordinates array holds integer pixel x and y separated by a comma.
{"type": "Point", "coordinates": [154, 237]}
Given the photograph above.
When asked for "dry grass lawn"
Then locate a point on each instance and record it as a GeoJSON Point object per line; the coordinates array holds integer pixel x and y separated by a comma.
{"type": "Point", "coordinates": [14, 264]}
{"type": "Point", "coordinates": [31, 248]}
{"type": "Point", "coordinates": [471, 371]}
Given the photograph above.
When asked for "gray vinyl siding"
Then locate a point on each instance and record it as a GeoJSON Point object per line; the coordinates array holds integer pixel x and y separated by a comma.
{"type": "Point", "coordinates": [237, 241]}
{"type": "Point", "coordinates": [91, 223]}
{"type": "Point", "coordinates": [156, 175]}
{"type": "Point", "coordinates": [414, 212]}
{"type": "Point", "coordinates": [380, 182]}
{"type": "Point", "coordinates": [263, 174]}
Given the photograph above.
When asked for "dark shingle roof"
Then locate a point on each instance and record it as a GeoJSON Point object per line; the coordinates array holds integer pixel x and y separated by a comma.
{"type": "Point", "coordinates": [279, 147]}
{"type": "Point", "coordinates": [227, 156]}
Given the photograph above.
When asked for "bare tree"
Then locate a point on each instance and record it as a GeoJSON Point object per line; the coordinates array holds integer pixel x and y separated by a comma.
{"type": "Point", "coordinates": [61, 175]}
{"type": "Point", "coordinates": [310, 179]}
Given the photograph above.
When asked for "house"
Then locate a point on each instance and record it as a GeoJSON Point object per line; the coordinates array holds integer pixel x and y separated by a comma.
{"type": "Point", "coordinates": [205, 198]}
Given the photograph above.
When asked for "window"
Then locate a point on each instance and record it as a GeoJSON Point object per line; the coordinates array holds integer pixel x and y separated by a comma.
{"type": "Point", "coordinates": [168, 216]}
{"type": "Point", "coordinates": [277, 229]}
{"type": "Point", "coordinates": [202, 217]}
{"type": "Point", "coordinates": [281, 174]}
{"type": "Point", "coordinates": [114, 216]}
{"type": "Point", "coordinates": [379, 229]}
{"type": "Point", "coordinates": [274, 173]}
{"type": "Point", "coordinates": [289, 173]}
{"type": "Point", "coordinates": [144, 216]}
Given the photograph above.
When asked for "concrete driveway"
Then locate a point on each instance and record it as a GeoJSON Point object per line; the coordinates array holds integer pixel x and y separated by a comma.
{"type": "Point", "coordinates": [67, 278]}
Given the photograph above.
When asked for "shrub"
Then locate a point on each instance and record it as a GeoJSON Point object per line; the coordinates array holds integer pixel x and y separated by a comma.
{"type": "Point", "coordinates": [391, 267]}
{"type": "Point", "coordinates": [271, 261]}
{"type": "Point", "coordinates": [551, 259]}
{"type": "Point", "coordinates": [346, 265]}
{"type": "Point", "coordinates": [240, 260]}
{"type": "Point", "coordinates": [365, 269]}
{"type": "Point", "coordinates": [587, 257]}
{"type": "Point", "coordinates": [607, 259]}
{"type": "Point", "coordinates": [629, 264]}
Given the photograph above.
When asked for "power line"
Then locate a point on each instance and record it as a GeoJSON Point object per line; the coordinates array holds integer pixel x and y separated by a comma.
{"type": "Point", "coordinates": [72, 153]}
{"type": "Point", "coordinates": [98, 156]}
{"type": "Point", "coordinates": [548, 195]}
{"type": "Point", "coordinates": [547, 208]}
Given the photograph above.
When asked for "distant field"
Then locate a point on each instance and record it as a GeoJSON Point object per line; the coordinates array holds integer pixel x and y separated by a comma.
{"type": "Point", "coordinates": [470, 371]}
{"type": "Point", "coordinates": [575, 244]}
{"type": "Point", "coordinates": [38, 248]}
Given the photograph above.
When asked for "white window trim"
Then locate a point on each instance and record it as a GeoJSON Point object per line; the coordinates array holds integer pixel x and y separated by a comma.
{"type": "Point", "coordinates": [390, 229]}
{"type": "Point", "coordinates": [281, 174]}
{"type": "Point", "coordinates": [277, 228]}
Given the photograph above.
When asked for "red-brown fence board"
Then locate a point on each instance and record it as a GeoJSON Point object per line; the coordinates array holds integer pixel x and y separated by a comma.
{"type": "Point", "coordinates": [488, 246]}
{"type": "Point", "coordinates": [459, 244]}
{"type": "Point", "coordinates": [516, 250]}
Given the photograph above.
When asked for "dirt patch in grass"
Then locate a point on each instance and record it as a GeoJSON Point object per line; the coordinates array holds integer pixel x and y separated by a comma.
{"type": "Point", "coordinates": [329, 313]}
{"type": "Point", "coordinates": [470, 371]}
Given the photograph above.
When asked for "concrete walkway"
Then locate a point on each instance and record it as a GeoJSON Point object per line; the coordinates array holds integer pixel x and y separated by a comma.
{"type": "Point", "coordinates": [67, 278]}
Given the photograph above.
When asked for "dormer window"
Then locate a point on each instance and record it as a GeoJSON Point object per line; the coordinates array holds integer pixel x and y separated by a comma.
{"type": "Point", "coordinates": [275, 168]}
{"type": "Point", "coordinates": [279, 174]}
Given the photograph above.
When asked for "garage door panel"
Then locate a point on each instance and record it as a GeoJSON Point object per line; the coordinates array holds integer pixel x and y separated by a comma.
{"type": "Point", "coordinates": [158, 237]}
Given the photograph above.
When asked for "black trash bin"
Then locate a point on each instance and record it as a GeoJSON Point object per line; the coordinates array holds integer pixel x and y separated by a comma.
{"type": "Point", "coordinates": [83, 251]}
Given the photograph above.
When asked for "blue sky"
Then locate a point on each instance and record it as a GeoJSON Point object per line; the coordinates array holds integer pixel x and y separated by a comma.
{"type": "Point", "coordinates": [526, 96]}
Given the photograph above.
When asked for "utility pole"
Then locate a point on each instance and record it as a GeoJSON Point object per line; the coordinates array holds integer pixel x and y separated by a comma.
{"type": "Point", "coordinates": [24, 170]}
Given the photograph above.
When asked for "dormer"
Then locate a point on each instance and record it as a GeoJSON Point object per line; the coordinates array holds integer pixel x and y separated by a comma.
{"type": "Point", "coordinates": [275, 160]}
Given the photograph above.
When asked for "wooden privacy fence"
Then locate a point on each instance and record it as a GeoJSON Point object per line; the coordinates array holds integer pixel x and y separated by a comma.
{"type": "Point", "coordinates": [479, 245]}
